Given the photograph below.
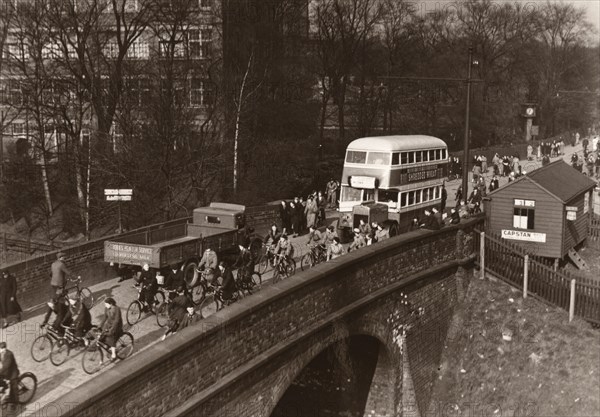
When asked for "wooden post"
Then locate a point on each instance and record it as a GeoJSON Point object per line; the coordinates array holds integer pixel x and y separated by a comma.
{"type": "Point", "coordinates": [572, 301]}
{"type": "Point", "coordinates": [555, 264]}
{"type": "Point", "coordinates": [525, 275]}
{"type": "Point", "coordinates": [482, 254]}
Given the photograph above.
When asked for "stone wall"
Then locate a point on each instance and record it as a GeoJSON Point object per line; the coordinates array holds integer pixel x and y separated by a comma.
{"type": "Point", "coordinates": [240, 361]}
{"type": "Point", "coordinates": [87, 260]}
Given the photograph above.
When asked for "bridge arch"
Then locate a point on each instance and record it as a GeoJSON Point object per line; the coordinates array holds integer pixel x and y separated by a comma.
{"type": "Point", "coordinates": [347, 376]}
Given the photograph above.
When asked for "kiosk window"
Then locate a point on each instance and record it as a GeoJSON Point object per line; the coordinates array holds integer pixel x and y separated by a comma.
{"type": "Point", "coordinates": [356, 157]}
{"type": "Point", "coordinates": [523, 218]}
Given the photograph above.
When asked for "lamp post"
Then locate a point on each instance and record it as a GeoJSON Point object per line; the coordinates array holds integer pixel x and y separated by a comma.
{"type": "Point", "coordinates": [465, 179]}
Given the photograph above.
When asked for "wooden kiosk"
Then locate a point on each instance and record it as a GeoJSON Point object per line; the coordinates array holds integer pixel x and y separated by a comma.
{"type": "Point", "coordinates": [547, 209]}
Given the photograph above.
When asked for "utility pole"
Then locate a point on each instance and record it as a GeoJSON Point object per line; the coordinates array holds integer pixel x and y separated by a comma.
{"type": "Point", "coordinates": [465, 178]}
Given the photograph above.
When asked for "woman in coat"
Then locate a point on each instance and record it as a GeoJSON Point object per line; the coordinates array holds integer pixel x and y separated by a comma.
{"type": "Point", "coordinates": [311, 212]}
{"type": "Point", "coordinates": [8, 298]}
{"type": "Point", "coordinates": [284, 215]}
{"type": "Point", "coordinates": [295, 218]}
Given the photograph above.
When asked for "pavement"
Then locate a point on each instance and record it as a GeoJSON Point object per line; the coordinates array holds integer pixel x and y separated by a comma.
{"type": "Point", "coordinates": [54, 382]}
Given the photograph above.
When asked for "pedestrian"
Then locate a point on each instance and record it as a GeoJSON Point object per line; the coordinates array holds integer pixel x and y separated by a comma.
{"type": "Point", "coordinates": [284, 216]}
{"type": "Point", "coordinates": [484, 164]}
{"type": "Point", "coordinates": [311, 211]}
{"type": "Point", "coordinates": [444, 197]}
{"type": "Point", "coordinates": [321, 204]}
{"type": "Point", "coordinates": [529, 152]}
{"type": "Point", "coordinates": [10, 372]}
{"type": "Point", "coordinates": [60, 274]}
{"type": "Point", "coordinates": [294, 218]}
{"type": "Point", "coordinates": [332, 187]}
{"type": "Point", "coordinates": [302, 206]}
{"type": "Point", "coordinates": [299, 216]}
{"type": "Point", "coordinates": [494, 183]}
{"type": "Point", "coordinates": [459, 194]}
{"type": "Point", "coordinates": [585, 144]}
{"type": "Point", "coordinates": [112, 326]}
{"type": "Point", "coordinates": [8, 299]}
{"type": "Point", "coordinates": [437, 216]}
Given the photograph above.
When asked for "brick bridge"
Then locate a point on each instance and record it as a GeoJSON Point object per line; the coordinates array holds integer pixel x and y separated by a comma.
{"type": "Point", "coordinates": [242, 360]}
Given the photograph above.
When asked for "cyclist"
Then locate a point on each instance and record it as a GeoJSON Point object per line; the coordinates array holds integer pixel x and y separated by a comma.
{"type": "Point", "coordinates": [80, 317]}
{"type": "Point", "coordinates": [149, 286]}
{"type": "Point", "coordinates": [9, 370]}
{"type": "Point", "coordinates": [315, 240]}
{"type": "Point", "coordinates": [60, 272]}
{"type": "Point", "coordinates": [210, 261]}
{"type": "Point", "coordinates": [174, 279]}
{"type": "Point", "coordinates": [330, 235]}
{"type": "Point", "coordinates": [245, 264]}
{"type": "Point", "coordinates": [335, 250]}
{"type": "Point", "coordinates": [112, 326]}
{"type": "Point", "coordinates": [227, 283]}
{"type": "Point", "coordinates": [59, 305]}
{"type": "Point", "coordinates": [365, 229]}
{"type": "Point", "coordinates": [284, 247]}
{"type": "Point", "coordinates": [177, 310]}
{"type": "Point", "coordinates": [190, 318]}
{"type": "Point", "coordinates": [358, 242]}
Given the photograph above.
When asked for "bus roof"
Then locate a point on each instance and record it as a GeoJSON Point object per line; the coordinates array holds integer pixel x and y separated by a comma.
{"type": "Point", "coordinates": [396, 143]}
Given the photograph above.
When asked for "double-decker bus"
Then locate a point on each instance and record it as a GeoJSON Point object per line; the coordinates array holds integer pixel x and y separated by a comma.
{"type": "Point", "coordinates": [391, 180]}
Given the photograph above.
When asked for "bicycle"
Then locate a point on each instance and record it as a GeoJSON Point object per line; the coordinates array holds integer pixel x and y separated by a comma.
{"type": "Point", "coordinates": [83, 293]}
{"type": "Point", "coordinates": [162, 311]}
{"type": "Point", "coordinates": [135, 309]}
{"type": "Point", "coordinates": [247, 282]}
{"type": "Point", "coordinates": [26, 387]}
{"type": "Point", "coordinates": [42, 345]}
{"type": "Point", "coordinates": [217, 297]}
{"type": "Point", "coordinates": [285, 268]}
{"type": "Point", "coordinates": [62, 348]}
{"type": "Point", "coordinates": [199, 292]}
{"type": "Point", "coordinates": [314, 256]}
{"type": "Point", "coordinates": [93, 356]}
{"type": "Point", "coordinates": [266, 259]}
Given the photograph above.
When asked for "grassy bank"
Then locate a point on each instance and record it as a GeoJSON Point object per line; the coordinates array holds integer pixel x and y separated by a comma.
{"type": "Point", "coordinates": [549, 367]}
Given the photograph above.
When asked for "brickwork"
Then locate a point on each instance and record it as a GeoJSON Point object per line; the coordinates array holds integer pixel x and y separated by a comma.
{"type": "Point", "coordinates": [33, 275]}
{"type": "Point", "coordinates": [241, 361]}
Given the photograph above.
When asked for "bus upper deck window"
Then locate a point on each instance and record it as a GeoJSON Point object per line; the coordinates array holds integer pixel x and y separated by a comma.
{"type": "Point", "coordinates": [411, 157]}
{"type": "Point", "coordinates": [356, 157]}
{"type": "Point", "coordinates": [438, 154]}
{"type": "Point", "coordinates": [404, 158]}
{"type": "Point", "coordinates": [418, 154]}
{"type": "Point", "coordinates": [385, 196]}
{"type": "Point", "coordinates": [444, 154]}
{"type": "Point", "coordinates": [396, 158]}
{"type": "Point", "coordinates": [378, 158]}
{"type": "Point", "coordinates": [432, 155]}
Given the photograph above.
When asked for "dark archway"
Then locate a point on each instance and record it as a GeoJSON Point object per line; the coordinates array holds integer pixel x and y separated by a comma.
{"type": "Point", "coordinates": [337, 382]}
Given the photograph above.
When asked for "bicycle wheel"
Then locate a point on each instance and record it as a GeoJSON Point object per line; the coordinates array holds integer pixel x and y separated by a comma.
{"type": "Point", "coordinates": [60, 352]}
{"type": "Point", "coordinates": [92, 359]}
{"type": "Point", "coordinates": [208, 306]}
{"type": "Point", "coordinates": [257, 281]}
{"type": "Point", "coordinates": [86, 297]}
{"type": "Point", "coordinates": [134, 312]}
{"type": "Point", "coordinates": [159, 299]}
{"type": "Point", "coordinates": [26, 387]}
{"type": "Point", "coordinates": [198, 294]}
{"type": "Point", "coordinates": [290, 268]}
{"type": "Point", "coordinates": [162, 314]}
{"type": "Point", "coordinates": [125, 346]}
{"type": "Point", "coordinates": [307, 262]}
{"type": "Point", "coordinates": [277, 274]}
{"type": "Point", "coordinates": [41, 348]}
{"type": "Point", "coordinates": [263, 263]}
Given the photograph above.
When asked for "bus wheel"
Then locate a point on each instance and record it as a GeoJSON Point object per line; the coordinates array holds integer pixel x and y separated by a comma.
{"type": "Point", "coordinates": [394, 230]}
{"type": "Point", "coordinates": [190, 274]}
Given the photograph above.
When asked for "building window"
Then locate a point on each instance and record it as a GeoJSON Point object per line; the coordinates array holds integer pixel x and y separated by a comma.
{"type": "Point", "coordinates": [204, 4]}
{"type": "Point", "coordinates": [111, 50]}
{"type": "Point", "coordinates": [138, 50]}
{"type": "Point", "coordinates": [200, 92]}
{"type": "Point", "coordinates": [18, 129]}
{"type": "Point", "coordinates": [177, 47]}
{"type": "Point", "coordinates": [524, 218]}
{"type": "Point", "coordinates": [51, 51]}
{"type": "Point", "coordinates": [198, 43]}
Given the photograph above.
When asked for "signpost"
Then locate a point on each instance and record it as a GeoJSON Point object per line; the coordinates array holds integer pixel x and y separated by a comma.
{"type": "Point", "coordinates": [120, 194]}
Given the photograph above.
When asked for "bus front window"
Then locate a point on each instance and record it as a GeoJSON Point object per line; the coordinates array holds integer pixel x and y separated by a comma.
{"type": "Point", "coordinates": [350, 194]}
{"type": "Point", "coordinates": [379, 158]}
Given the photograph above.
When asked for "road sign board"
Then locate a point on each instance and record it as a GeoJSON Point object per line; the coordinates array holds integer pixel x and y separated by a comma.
{"type": "Point", "coordinates": [118, 198]}
{"type": "Point", "coordinates": [120, 191]}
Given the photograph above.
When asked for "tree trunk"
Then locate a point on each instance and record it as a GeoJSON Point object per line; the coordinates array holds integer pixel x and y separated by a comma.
{"type": "Point", "coordinates": [46, 184]}
{"type": "Point", "coordinates": [341, 114]}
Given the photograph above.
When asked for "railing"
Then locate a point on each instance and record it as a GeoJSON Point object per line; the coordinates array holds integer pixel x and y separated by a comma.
{"type": "Point", "coordinates": [579, 295]}
{"type": "Point", "coordinates": [16, 248]}
{"type": "Point", "coordinates": [594, 232]}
